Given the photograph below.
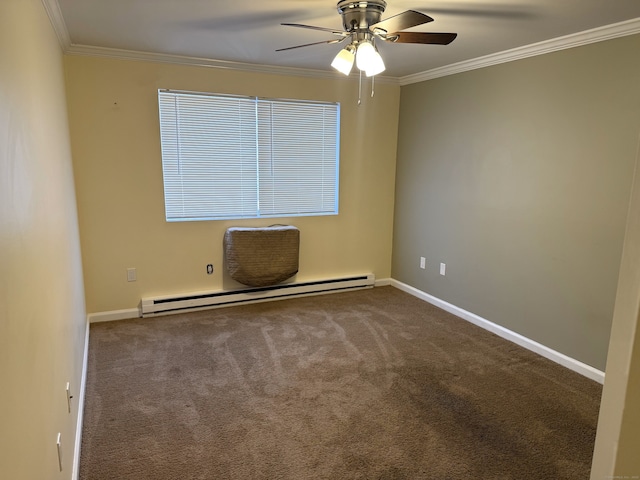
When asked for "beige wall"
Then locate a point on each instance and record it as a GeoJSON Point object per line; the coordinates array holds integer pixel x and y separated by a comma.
{"type": "Point", "coordinates": [116, 148]}
{"type": "Point", "coordinates": [42, 317]}
{"type": "Point", "coordinates": [518, 177]}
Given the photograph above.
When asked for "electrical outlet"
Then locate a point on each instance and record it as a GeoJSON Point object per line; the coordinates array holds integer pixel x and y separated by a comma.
{"type": "Point", "coordinates": [443, 269]}
{"type": "Point", "coordinates": [423, 263]}
{"type": "Point", "coordinates": [131, 275]}
{"type": "Point", "coordinates": [209, 269]}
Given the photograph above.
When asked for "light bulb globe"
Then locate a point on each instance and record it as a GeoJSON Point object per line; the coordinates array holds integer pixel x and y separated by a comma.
{"type": "Point", "coordinates": [376, 65]}
{"type": "Point", "coordinates": [343, 61]}
{"type": "Point", "coordinates": [365, 55]}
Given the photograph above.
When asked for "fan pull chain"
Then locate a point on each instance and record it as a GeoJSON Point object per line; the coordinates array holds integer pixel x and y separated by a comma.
{"type": "Point", "coordinates": [360, 88]}
{"type": "Point", "coordinates": [373, 83]}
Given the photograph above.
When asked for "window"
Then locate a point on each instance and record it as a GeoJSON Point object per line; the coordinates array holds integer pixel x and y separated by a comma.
{"type": "Point", "coordinates": [227, 157]}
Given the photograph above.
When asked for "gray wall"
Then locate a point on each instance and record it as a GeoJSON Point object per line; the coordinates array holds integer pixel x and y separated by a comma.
{"type": "Point", "coordinates": [518, 177]}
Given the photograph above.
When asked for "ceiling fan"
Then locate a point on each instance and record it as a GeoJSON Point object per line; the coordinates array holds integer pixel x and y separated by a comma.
{"type": "Point", "coordinates": [363, 26]}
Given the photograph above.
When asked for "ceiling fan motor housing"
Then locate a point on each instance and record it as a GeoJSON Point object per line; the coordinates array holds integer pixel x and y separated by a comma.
{"type": "Point", "coordinates": [357, 16]}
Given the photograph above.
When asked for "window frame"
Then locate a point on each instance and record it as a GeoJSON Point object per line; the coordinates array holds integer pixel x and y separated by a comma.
{"type": "Point", "coordinates": [328, 164]}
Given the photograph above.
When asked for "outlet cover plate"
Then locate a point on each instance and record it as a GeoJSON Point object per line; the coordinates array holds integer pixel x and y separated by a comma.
{"type": "Point", "coordinates": [131, 275]}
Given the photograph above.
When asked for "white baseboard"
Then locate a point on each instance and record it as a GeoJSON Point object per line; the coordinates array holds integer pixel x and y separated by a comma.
{"type": "Point", "coordinates": [114, 315]}
{"type": "Point", "coordinates": [560, 358]}
{"type": "Point", "coordinates": [75, 472]}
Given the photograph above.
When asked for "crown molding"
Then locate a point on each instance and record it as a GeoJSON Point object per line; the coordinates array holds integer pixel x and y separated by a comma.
{"type": "Point", "coordinates": [608, 32]}
{"type": "Point", "coordinates": [622, 29]}
{"type": "Point", "coordinates": [52, 8]}
{"type": "Point", "coordinates": [208, 62]}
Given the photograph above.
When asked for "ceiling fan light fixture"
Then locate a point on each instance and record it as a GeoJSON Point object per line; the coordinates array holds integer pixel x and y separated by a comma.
{"type": "Point", "coordinates": [368, 59]}
{"type": "Point", "coordinates": [343, 61]}
{"type": "Point", "coordinates": [363, 25]}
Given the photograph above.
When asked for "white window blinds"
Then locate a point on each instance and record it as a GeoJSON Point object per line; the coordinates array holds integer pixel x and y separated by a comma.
{"type": "Point", "coordinates": [229, 157]}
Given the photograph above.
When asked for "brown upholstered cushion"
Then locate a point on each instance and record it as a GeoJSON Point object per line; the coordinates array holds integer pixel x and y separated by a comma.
{"type": "Point", "coordinates": [261, 256]}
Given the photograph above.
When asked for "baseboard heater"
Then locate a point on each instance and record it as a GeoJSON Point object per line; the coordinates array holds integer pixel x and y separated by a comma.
{"type": "Point", "coordinates": [204, 300]}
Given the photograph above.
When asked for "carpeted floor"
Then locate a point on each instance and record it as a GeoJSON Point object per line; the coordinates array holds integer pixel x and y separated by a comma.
{"type": "Point", "coordinates": [372, 384]}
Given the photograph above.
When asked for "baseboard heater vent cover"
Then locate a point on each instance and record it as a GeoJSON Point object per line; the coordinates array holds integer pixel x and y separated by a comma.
{"type": "Point", "coordinates": [203, 300]}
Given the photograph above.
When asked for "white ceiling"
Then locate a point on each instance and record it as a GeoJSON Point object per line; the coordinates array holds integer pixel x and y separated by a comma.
{"type": "Point", "coordinates": [249, 32]}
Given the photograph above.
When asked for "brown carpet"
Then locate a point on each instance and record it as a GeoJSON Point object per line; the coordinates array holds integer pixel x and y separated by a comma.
{"type": "Point", "coordinates": [372, 384]}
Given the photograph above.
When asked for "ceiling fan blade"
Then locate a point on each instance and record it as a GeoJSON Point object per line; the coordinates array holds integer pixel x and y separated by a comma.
{"type": "Point", "coordinates": [322, 29]}
{"type": "Point", "coordinates": [337, 40]}
{"type": "Point", "coordinates": [402, 21]}
{"type": "Point", "coordinates": [422, 37]}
